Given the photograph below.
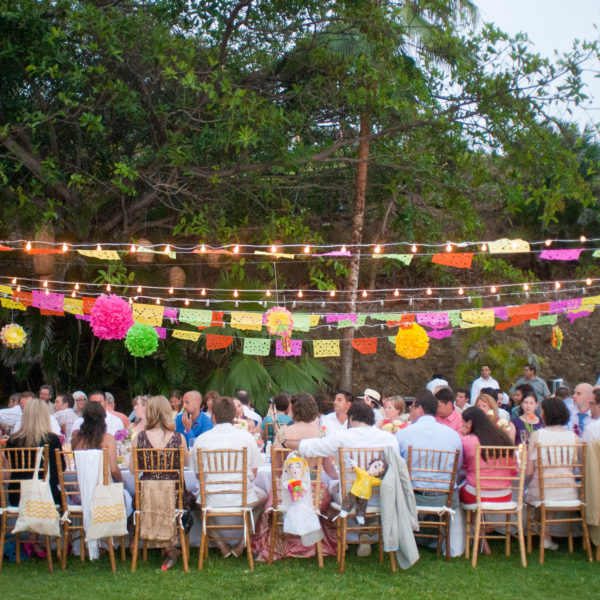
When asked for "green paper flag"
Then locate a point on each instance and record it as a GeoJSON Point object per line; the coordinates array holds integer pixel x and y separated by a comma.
{"type": "Point", "coordinates": [544, 320]}
{"type": "Point", "coordinates": [257, 346]}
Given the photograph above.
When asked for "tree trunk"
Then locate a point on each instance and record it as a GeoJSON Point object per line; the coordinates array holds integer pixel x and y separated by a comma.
{"type": "Point", "coordinates": [358, 220]}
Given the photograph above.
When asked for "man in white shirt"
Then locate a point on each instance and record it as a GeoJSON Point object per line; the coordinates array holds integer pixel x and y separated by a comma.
{"type": "Point", "coordinates": [485, 381]}
{"type": "Point", "coordinates": [337, 420]}
{"type": "Point", "coordinates": [12, 416]}
{"type": "Point", "coordinates": [225, 436]}
{"type": "Point", "coordinates": [64, 413]}
{"type": "Point", "coordinates": [113, 424]}
{"type": "Point", "coordinates": [592, 432]}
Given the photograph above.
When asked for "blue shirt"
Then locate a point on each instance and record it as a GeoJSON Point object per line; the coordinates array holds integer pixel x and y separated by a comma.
{"type": "Point", "coordinates": [426, 433]}
{"type": "Point", "coordinates": [203, 423]}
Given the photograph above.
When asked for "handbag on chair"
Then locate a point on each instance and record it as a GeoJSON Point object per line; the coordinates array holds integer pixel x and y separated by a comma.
{"type": "Point", "coordinates": [108, 518]}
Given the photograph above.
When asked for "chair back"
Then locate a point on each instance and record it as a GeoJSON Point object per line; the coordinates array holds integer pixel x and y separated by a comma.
{"type": "Point", "coordinates": [7, 429]}
{"type": "Point", "coordinates": [561, 466]}
{"type": "Point", "coordinates": [20, 465]}
{"type": "Point", "coordinates": [433, 469]}
{"type": "Point", "coordinates": [159, 464]}
{"type": "Point", "coordinates": [363, 457]}
{"type": "Point", "coordinates": [278, 457]}
{"type": "Point", "coordinates": [500, 471]}
{"type": "Point", "coordinates": [223, 476]}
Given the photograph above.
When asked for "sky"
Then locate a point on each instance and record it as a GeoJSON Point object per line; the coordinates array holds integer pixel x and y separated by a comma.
{"type": "Point", "coordinates": [552, 25]}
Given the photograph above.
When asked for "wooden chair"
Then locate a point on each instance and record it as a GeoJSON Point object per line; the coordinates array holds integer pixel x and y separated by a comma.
{"type": "Point", "coordinates": [362, 456]}
{"type": "Point", "coordinates": [278, 457]}
{"type": "Point", "coordinates": [152, 464]}
{"type": "Point", "coordinates": [20, 465]}
{"type": "Point", "coordinates": [72, 512]}
{"type": "Point", "coordinates": [559, 467]}
{"type": "Point", "coordinates": [223, 476]}
{"type": "Point", "coordinates": [434, 472]}
{"type": "Point", "coordinates": [511, 460]}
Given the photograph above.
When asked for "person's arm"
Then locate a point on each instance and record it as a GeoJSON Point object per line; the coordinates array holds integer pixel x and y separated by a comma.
{"type": "Point", "coordinates": [186, 452]}
{"type": "Point", "coordinates": [325, 446]}
{"type": "Point", "coordinates": [113, 464]}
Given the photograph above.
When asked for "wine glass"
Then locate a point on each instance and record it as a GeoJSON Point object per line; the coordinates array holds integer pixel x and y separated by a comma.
{"type": "Point", "coordinates": [524, 435]}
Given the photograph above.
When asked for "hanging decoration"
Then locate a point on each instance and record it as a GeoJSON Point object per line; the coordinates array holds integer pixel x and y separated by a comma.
{"type": "Point", "coordinates": [141, 340]}
{"type": "Point", "coordinates": [412, 341]}
{"type": "Point", "coordinates": [557, 337]}
{"type": "Point", "coordinates": [279, 321]}
{"type": "Point", "coordinates": [111, 317]}
{"type": "Point", "coordinates": [13, 336]}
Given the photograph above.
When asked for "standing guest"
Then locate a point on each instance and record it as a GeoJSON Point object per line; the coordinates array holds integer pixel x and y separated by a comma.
{"type": "Point", "coordinates": [192, 422]}
{"type": "Point", "coordinates": [592, 432]}
{"type": "Point", "coordinates": [34, 430]}
{"type": "Point", "coordinates": [244, 397]}
{"type": "Point", "coordinates": [446, 414]}
{"type": "Point", "coordinates": [64, 413]}
{"type": "Point", "coordinates": [373, 399]}
{"type": "Point", "coordinates": [113, 424]}
{"type": "Point", "coordinates": [140, 404]}
{"type": "Point", "coordinates": [176, 402]}
{"type": "Point", "coordinates": [110, 408]}
{"type": "Point", "coordinates": [580, 415]}
{"type": "Point", "coordinates": [485, 381]}
{"type": "Point", "coordinates": [337, 420]}
{"type": "Point", "coordinates": [160, 434]}
{"type": "Point", "coordinates": [520, 392]}
{"type": "Point", "coordinates": [278, 409]}
{"type": "Point", "coordinates": [537, 383]}
{"type": "Point", "coordinates": [207, 402]}
{"type": "Point", "coordinates": [45, 393]}
{"type": "Point", "coordinates": [462, 400]}
{"type": "Point", "coordinates": [528, 422]}
{"type": "Point", "coordinates": [80, 402]}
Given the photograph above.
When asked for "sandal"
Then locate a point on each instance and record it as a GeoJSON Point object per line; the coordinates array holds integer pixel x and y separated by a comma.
{"type": "Point", "coordinates": [224, 549]}
{"type": "Point", "coordinates": [238, 549]}
{"type": "Point", "coordinates": [172, 556]}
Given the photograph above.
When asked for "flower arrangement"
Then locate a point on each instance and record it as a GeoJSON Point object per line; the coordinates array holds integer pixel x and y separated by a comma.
{"type": "Point", "coordinates": [412, 341]}
{"type": "Point", "coordinates": [13, 336]}
{"type": "Point", "coordinates": [240, 423]}
{"type": "Point", "coordinates": [111, 317]}
{"type": "Point", "coordinates": [394, 426]}
{"type": "Point", "coordinates": [122, 434]}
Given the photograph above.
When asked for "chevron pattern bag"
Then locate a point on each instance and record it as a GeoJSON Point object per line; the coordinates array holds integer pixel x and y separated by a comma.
{"type": "Point", "coordinates": [37, 511]}
{"type": "Point", "coordinates": [107, 509]}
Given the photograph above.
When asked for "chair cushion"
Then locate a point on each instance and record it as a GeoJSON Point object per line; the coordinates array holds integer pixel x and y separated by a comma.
{"type": "Point", "coordinates": [492, 506]}
{"type": "Point", "coordinates": [556, 503]}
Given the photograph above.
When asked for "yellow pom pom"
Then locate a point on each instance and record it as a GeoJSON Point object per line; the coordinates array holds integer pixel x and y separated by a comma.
{"type": "Point", "coordinates": [412, 341]}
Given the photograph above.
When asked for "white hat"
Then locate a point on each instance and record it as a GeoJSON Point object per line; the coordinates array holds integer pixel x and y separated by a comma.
{"type": "Point", "coordinates": [434, 384]}
{"type": "Point", "coordinates": [372, 394]}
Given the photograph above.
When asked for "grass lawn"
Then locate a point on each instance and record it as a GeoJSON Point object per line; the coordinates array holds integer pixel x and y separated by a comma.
{"type": "Point", "coordinates": [496, 576]}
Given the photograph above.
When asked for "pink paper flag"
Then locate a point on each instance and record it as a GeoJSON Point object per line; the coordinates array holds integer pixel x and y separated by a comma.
{"type": "Point", "coordinates": [51, 301]}
{"type": "Point", "coordinates": [170, 313]}
{"type": "Point", "coordinates": [83, 317]}
{"type": "Point", "coordinates": [334, 253]}
{"type": "Point", "coordinates": [577, 315]}
{"type": "Point", "coordinates": [434, 320]}
{"type": "Point", "coordinates": [295, 348]}
{"type": "Point", "coordinates": [162, 333]}
{"type": "Point", "coordinates": [501, 312]}
{"type": "Point", "coordinates": [563, 254]}
{"type": "Point", "coordinates": [335, 318]}
{"type": "Point", "coordinates": [440, 333]}
{"type": "Point", "coordinates": [564, 306]}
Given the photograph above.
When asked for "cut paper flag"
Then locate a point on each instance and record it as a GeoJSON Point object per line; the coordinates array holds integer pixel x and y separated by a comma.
{"type": "Point", "coordinates": [88, 304]}
{"type": "Point", "coordinates": [6, 289]}
{"type": "Point", "coordinates": [506, 246]}
{"type": "Point", "coordinates": [434, 320]}
{"type": "Point", "coordinates": [334, 318]}
{"type": "Point", "coordinates": [83, 317]}
{"type": "Point", "coordinates": [454, 317]}
{"type": "Point", "coordinates": [334, 253]}
{"type": "Point", "coordinates": [183, 334]}
{"type": "Point", "coordinates": [578, 314]}
{"type": "Point", "coordinates": [564, 305]}
{"type": "Point", "coordinates": [10, 303]}
{"type": "Point", "coordinates": [324, 348]}
{"type": "Point", "coordinates": [4, 248]}
{"type": "Point", "coordinates": [314, 320]}
{"type": "Point", "coordinates": [460, 260]}
{"type": "Point", "coordinates": [359, 322]}
{"type": "Point", "coordinates": [161, 332]}
{"type": "Point", "coordinates": [143, 249]}
{"type": "Point", "coordinates": [301, 322]}
{"type": "Point", "coordinates": [171, 313]}
{"type": "Point", "coordinates": [477, 318]}
{"type": "Point", "coordinates": [405, 318]}
{"type": "Point", "coordinates": [295, 348]}
{"type": "Point", "coordinates": [595, 253]}
{"type": "Point", "coordinates": [563, 254]}
{"type": "Point", "coordinates": [34, 251]}
{"type": "Point", "coordinates": [440, 334]}
{"type": "Point", "coordinates": [101, 254]}
{"type": "Point", "coordinates": [275, 255]}
{"type": "Point", "coordinates": [405, 259]}
{"type": "Point", "coordinates": [50, 301]}
{"type": "Point", "coordinates": [73, 306]}
{"type": "Point", "coordinates": [217, 319]}
{"type": "Point", "coordinates": [195, 317]}
{"type": "Point", "coordinates": [543, 320]}
{"type": "Point", "coordinates": [246, 321]}
{"type": "Point", "coordinates": [25, 298]}
{"type": "Point", "coordinates": [52, 313]}
{"type": "Point", "coordinates": [148, 314]}
{"type": "Point", "coordinates": [590, 301]}
{"type": "Point", "coordinates": [211, 251]}
{"type": "Point", "coordinates": [215, 341]}
{"type": "Point", "coordinates": [365, 345]}
{"type": "Point", "coordinates": [257, 346]}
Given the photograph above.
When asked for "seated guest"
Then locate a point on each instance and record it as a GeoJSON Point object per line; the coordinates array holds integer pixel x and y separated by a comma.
{"type": "Point", "coordinates": [244, 397]}
{"type": "Point", "coordinates": [207, 402]}
{"type": "Point", "coordinates": [324, 404]}
{"type": "Point", "coordinates": [110, 407]}
{"type": "Point", "coordinates": [64, 413]}
{"type": "Point", "coordinates": [80, 401]}
{"type": "Point", "coordinates": [278, 408]}
{"type": "Point", "coordinates": [176, 402]}
{"type": "Point", "coordinates": [338, 419]}
{"type": "Point", "coordinates": [394, 410]}
{"type": "Point", "coordinates": [593, 429]}
{"type": "Point", "coordinates": [528, 422]}
{"type": "Point", "coordinates": [225, 436]}
{"type": "Point", "coordinates": [522, 390]}
{"type": "Point", "coordinates": [113, 424]}
{"type": "Point", "coordinates": [192, 422]}
{"type": "Point", "coordinates": [488, 405]}
{"type": "Point", "coordinates": [446, 414]}
{"type": "Point", "coordinates": [139, 415]}
{"type": "Point", "coordinates": [462, 400]}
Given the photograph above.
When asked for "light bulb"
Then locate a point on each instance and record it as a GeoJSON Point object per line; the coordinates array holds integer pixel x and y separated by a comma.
{"type": "Point", "coordinates": [158, 301]}
{"type": "Point", "coordinates": [268, 294]}
{"type": "Point", "coordinates": [548, 242]}
{"type": "Point", "coordinates": [167, 249]}
{"type": "Point", "coordinates": [203, 248]}
{"type": "Point", "coordinates": [525, 287]}
{"type": "Point", "coordinates": [397, 293]}
{"type": "Point", "coordinates": [47, 292]}
{"type": "Point", "coordinates": [332, 293]}
{"type": "Point", "coordinates": [429, 292]}
{"type": "Point", "coordinates": [484, 247]}
{"type": "Point", "coordinates": [413, 248]}
{"type": "Point", "coordinates": [130, 300]}
{"type": "Point", "coordinates": [273, 249]}
{"type": "Point", "coordinates": [306, 249]}
{"type": "Point", "coordinates": [377, 249]}
{"type": "Point", "coordinates": [344, 249]}
{"type": "Point", "coordinates": [18, 288]}
{"type": "Point", "coordinates": [139, 289]}
{"type": "Point", "coordinates": [187, 302]}
{"type": "Point", "coordinates": [235, 293]}
{"type": "Point", "coordinates": [65, 247]}
{"type": "Point", "coordinates": [236, 249]}
{"type": "Point", "coordinates": [493, 289]}
{"type": "Point", "coordinates": [557, 285]}
{"type": "Point", "coordinates": [300, 294]}
{"type": "Point", "coordinates": [364, 294]}
{"type": "Point", "coordinates": [45, 284]}
{"type": "Point", "coordinates": [99, 248]}
{"type": "Point", "coordinates": [28, 246]}
{"type": "Point", "coordinates": [73, 294]}
{"type": "Point", "coordinates": [203, 292]}
{"type": "Point", "coordinates": [108, 287]}
{"type": "Point", "coordinates": [14, 280]}
{"type": "Point", "coordinates": [448, 247]}
{"type": "Point", "coordinates": [76, 286]}
{"type": "Point", "coordinates": [460, 291]}
{"type": "Point", "coordinates": [132, 248]}
{"type": "Point", "coordinates": [582, 239]}
{"type": "Point", "coordinates": [588, 281]}
{"type": "Point", "coordinates": [171, 290]}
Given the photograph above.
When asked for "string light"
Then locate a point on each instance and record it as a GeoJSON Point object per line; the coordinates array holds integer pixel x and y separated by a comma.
{"type": "Point", "coordinates": [108, 288]}
{"type": "Point", "coordinates": [236, 249]}
{"type": "Point", "coordinates": [548, 242]}
{"type": "Point", "coordinates": [525, 287]}
{"type": "Point", "coordinates": [364, 293]}
{"type": "Point", "coordinates": [167, 249]}
{"type": "Point", "coordinates": [557, 285]}
{"type": "Point", "coordinates": [77, 286]}
{"type": "Point", "coordinates": [332, 293]}
{"type": "Point", "coordinates": [65, 247]}
{"type": "Point", "coordinates": [47, 292]}
{"type": "Point", "coordinates": [14, 280]}
{"type": "Point", "coordinates": [203, 292]}
{"type": "Point", "coordinates": [306, 249]}
{"type": "Point", "coordinates": [139, 289]}
{"type": "Point", "coordinates": [45, 284]}
{"type": "Point", "coordinates": [187, 302]}
{"type": "Point", "coordinates": [300, 294]}
{"type": "Point", "coordinates": [171, 290]}
{"type": "Point", "coordinates": [18, 288]}
{"type": "Point", "coordinates": [99, 248]}
{"type": "Point", "coordinates": [377, 249]}
{"type": "Point", "coordinates": [343, 250]}
{"type": "Point", "coordinates": [73, 294]}
{"type": "Point", "coordinates": [588, 281]}
{"type": "Point", "coordinates": [582, 239]}
{"type": "Point", "coordinates": [273, 249]}
{"type": "Point", "coordinates": [448, 247]}
{"type": "Point", "coordinates": [397, 292]}
{"type": "Point", "coordinates": [461, 291]}
{"type": "Point", "coordinates": [268, 294]}
{"type": "Point", "coordinates": [429, 292]}
{"type": "Point", "coordinates": [235, 293]}
{"type": "Point", "coordinates": [130, 301]}
{"type": "Point", "coordinates": [493, 289]}
{"type": "Point", "coordinates": [203, 248]}
{"type": "Point", "coordinates": [413, 248]}
{"type": "Point", "coordinates": [484, 247]}
{"type": "Point", "coordinates": [28, 246]}
{"type": "Point", "coordinates": [133, 248]}
{"type": "Point", "coordinates": [158, 301]}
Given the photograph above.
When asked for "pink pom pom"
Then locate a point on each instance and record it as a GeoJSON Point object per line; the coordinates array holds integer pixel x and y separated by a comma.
{"type": "Point", "coordinates": [111, 318]}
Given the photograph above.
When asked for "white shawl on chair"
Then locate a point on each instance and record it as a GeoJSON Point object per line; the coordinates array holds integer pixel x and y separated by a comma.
{"type": "Point", "coordinates": [88, 464]}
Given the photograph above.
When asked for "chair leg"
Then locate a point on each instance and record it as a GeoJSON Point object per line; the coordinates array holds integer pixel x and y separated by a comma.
{"type": "Point", "coordinates": [530, 517]}
{"type": "Point", "coordinates": [274, 528]}
{"type": "Point", "coordinates": [248, 533]}
{"type": "Point", "coordinates": [184, 550]}
{"type": "Point", "coordinates": [123, 549]}
{"type": "Point", "coordinates": [2, 537]}
{"type": "Point", "coordinates": [507, 537]}
{"type": "Point", "coordinates": [570, 528]}
{"type": "Point", "coordinates": [476, 537]}
{"type": "Point", "coordinates": [111, 554]}
{"type": "Point", "coordinates": [136, 545]}
{"type": "Point", "coordinates": [145, 551]}
{"type": "Point", "coordinates": [586, 536]}
{"type": "Point", "coordinates": [65, 549]}
{"type": "Point", "coordinates": [320, 554]}
{"type": "Point", "coordinates": [203, 543]}
{"type": "Point", "coordinates": [468, 517]}
{"type": "Point", "coordinates": [18, 548]}
{"type": "Point", "coordinates": [393, 561]}
{"type": "Point", "coordinates": [49, 553]}
{"type": "Point", "coordinates": [521, 539]}
{"type": "Point", "coordinates": [542, 533]}
{"type": "Point", "coordinates": [447, 538]}
{"type": "Point", "coordinates": [344, 527]}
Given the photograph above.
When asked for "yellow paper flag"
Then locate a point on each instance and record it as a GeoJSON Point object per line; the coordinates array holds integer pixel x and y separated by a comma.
{"type": "Point", "coordinates": [102, 254]}
{"type": "Point", "coordinates": [10, 303]}
{"type": "Point", "coordinates": [590, 301]}
{"type": "Point", "coordinates": [246, 320]}
{"type": "Point", "coordinates": [323, 348]}
{"type": "Point", "coordinates": [506, 246]}
{"type": "Point", "coordinates": [477, 318]}
{"type": "Point", "coordinates": [73, 305]}
{"type": "Point", "coordinates": [6, 289]}
{"type": "Point", "coordinates": [314, 320]}
{"type": "Point", "coordinates": [275, 254]}
{"type": "Point", "coordinates": [148, 314]}
{"type": "Point", "coordinates": [182, 334]}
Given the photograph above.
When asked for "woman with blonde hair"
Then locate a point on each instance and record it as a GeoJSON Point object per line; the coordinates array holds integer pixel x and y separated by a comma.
{"type": "Point", "coordinates": [160, 434]}
{"type": "Point", "coordinates": [488, 405]}
{"type": "Point", "coordinates": [139, 410]}
{"type": "Point", "coordinates": [35, 431]}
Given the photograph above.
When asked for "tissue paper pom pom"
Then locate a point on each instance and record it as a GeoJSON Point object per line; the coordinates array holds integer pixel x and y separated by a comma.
{"type": "Point", "coordinates": [141, 340]}
{"type": "Point", "coordinates": [279, 321]}
{"type": "Point", "coordinates": [412, 341]}
{"type": "Point", "coordinates": [13, 336]}
{"type": "Point", "coordinates": [111, 318]}
{"type": "Point", "coordinates": [557, 337]}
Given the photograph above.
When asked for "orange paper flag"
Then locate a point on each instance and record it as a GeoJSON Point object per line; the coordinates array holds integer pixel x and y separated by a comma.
{"type": "Point", "coordinates": [460, 260]}
{"type": "Point", "coordinates": [217, 342]}
{"type": "Point", "coordinates": [365, 345]}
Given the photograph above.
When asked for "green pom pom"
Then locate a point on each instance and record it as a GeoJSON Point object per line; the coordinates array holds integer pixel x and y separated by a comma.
{"type": "Point", "coordinates": [141, 340]}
